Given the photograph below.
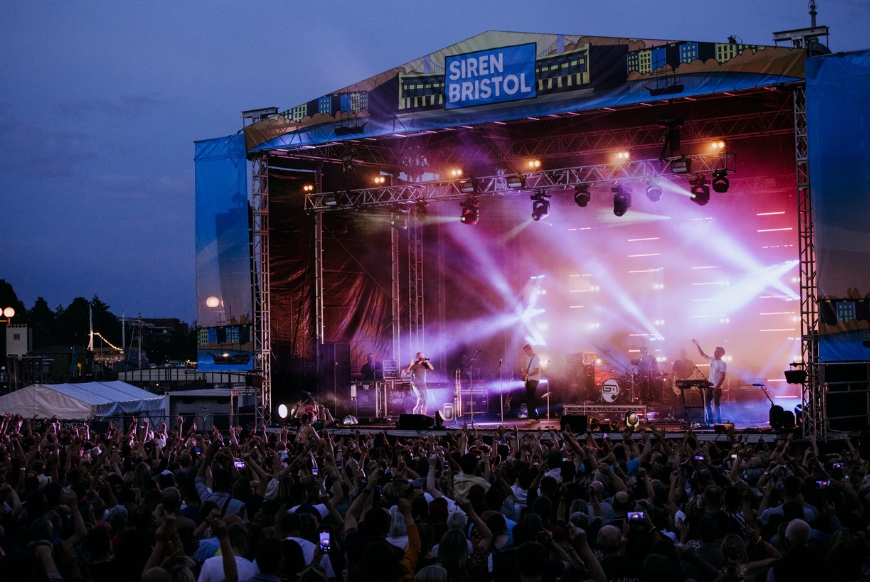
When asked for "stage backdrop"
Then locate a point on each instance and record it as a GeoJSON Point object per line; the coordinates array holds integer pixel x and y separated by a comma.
{"type": "Point", "coordinates": [499, 76]}
{"type": "Point", "coordinates": [223, 256]}
{"type": "Point", "coordinates": [838, 125]}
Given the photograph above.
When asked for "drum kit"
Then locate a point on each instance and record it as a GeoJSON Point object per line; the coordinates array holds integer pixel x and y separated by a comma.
{"type": "Point", "coordinates": [614, 387]}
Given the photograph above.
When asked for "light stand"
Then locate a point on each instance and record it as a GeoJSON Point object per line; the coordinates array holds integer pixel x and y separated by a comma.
{"type": "Point", "coordinates": [501, 389]}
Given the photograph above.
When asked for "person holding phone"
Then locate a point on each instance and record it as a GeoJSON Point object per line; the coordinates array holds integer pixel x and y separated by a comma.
{"type": "Point", "coordinates": [713, 394]}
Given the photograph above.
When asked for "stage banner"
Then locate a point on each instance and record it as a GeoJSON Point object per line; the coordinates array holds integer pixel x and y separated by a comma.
{"type": "Point", "coordinates": [224, 302]}
{"type": "Point", "coordinates": [499, 76]}
{"type": "Point", "coordinates": [838, 123]}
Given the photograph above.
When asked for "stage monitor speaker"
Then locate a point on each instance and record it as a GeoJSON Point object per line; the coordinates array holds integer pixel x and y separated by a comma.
{"type": "Point", "coordinates": [415, 422]}
{"type": "Point", "coordinates": [577, 422]}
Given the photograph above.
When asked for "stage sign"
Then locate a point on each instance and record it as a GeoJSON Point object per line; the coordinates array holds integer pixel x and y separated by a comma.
{"type": "Point", "coordinates": [491, 76]}
{"type": "Point", "coordinates": [224, 302]}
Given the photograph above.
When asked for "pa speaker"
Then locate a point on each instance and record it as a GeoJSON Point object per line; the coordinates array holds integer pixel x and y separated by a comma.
{"type": "Point", "coordinates": [577, 422]}
{"type": "Point", "coordinates": [415, 422]}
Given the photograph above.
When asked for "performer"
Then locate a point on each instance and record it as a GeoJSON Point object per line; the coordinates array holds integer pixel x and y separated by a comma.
{"type": "Point", "coordinates": [717, 378]}
{"type": "Point", "coordinates": [647, 369]}
{"type": "Point", "coordinates": [417, 369]}
{"type": "Point", "coordinates": [531, 377]}
{"type": "Point", "coordinates": [684, 368]}
{"type": "Point", "coordinates": [368, 369]}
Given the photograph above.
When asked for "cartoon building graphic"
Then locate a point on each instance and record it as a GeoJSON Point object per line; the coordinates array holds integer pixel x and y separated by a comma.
{"type": "Point", "coordinates": [299, 112]}
{"type": "Point", "coordinates": [565, 69]}
{"type": "Point", "coordinates": [688, 52]}
{"type": "Point", "coordinates": [421, 91]}
{"type": "Point", "coordinates": [845, 311]}
{"type": "Point", "coordinates": [324, 105]}
{"type": "Point", "coordinates": [727, 51]}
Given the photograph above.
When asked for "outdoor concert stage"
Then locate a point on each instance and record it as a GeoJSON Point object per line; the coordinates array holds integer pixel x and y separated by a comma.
{"type": "Point", "coordinates": [588, 196]}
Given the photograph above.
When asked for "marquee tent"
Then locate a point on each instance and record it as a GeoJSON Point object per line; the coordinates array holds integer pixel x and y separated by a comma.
{"type": "Point", "coordinates": [83, 401]}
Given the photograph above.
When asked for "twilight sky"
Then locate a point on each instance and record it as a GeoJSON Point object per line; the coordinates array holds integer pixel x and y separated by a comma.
{"type": "Point", "coordinates": [100, 104]}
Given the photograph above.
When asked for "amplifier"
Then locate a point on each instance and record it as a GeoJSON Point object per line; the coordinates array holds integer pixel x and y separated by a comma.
{"type": "Point", "coordinates": [365, 403]}
{"type": "Point", "coordinates": [480, 401]}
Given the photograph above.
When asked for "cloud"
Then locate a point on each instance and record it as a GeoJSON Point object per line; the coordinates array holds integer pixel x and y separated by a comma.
{"type": "Point", "coordinates": [38, 151]}
{"type": "Point", "coordinates": [121, 106]}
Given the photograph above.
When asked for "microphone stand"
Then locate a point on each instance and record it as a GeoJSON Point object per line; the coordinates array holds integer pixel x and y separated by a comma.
{"type": "Point", "coordinates": [703, 398]}
{"type": "Point", "coordinates": [501, 389]}
{"type": "Point", "coordinates": [471, 385]}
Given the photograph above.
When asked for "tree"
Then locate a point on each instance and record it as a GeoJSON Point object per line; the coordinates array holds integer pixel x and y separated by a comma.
{"type": "Point", "coordinates": [44, 325]}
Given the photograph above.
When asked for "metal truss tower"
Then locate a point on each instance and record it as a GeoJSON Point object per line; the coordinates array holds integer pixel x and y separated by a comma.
{"type": "Point", "coordinates": [261, 292]}
{"type": "Point", "coordinates": [812, 397]}
{"type": "Point", "coordinates": [416, 320]}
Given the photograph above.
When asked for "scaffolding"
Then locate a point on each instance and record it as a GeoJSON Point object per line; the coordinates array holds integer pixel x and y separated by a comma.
{"type": "Point", "coordinates": [812, 394]}
{"type": "Point", "coordinates": [261, 291]}
{"type": "Point", "coordinates": [416, 319]}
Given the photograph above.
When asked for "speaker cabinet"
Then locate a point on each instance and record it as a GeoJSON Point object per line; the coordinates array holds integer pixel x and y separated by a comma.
{"type": "Point", "coordinates": [415, 422]}
{"type": "Point", "coordinates": [577, 422]}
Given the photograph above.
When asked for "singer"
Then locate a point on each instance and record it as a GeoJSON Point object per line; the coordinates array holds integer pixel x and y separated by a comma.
{"type": "Point", "coordinates": [717, 378]}
{"type": "Point", "coordinates": [417, 369]}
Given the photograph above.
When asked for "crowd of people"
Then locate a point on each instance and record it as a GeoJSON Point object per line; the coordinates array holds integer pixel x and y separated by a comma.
{"type": "Point", "coordinates": [182, 505]}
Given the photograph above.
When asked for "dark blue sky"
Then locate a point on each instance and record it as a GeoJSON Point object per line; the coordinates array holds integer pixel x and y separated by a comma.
{"type": "Point", "coordinates": [100, 104]}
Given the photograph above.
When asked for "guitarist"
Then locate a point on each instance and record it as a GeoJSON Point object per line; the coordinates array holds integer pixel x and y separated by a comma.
{"type": "Point", "coordinates": [531, 377]}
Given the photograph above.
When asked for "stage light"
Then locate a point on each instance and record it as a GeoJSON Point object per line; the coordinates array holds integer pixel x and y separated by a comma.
{"type": "Point", "coordinates": [540, 205]}
{"type": "Point", "coordinates": [456, 173]}
{"type": "Point", "coordinates": [330, 200]}
{"type": "Point", "coordinates": [422, 207]}
{"type": "Point", "coordinates": [632, 420]}
{"type": "Point", "coordinates": [349, 420]}
{"type": "Point", "coordinates": [700, 190]}
{"type": "Point", "coordinates": [534, 164]}
{"type": "Point", "coordinates": [581, 195]}
{"type": "Point", "coordinates": [516, 181]}
{"type": "Point", "coordinates": [623, 156]}
{"type": "Point", "coordinates": [653, 191]}
{"type": "Point", "coordinates": [621, 200]}
{"type": "Point", "coordinates": [681, 166]}
{"type": "Point", "coordinates": [795, 376]}
{"type": "Point", "coordinates": [718, 144]}
{"type": "Point", "coordinates": [470, 211]}
{"type": "Point", "coordinates": [720, 181]}
{"type": "Point", "coordinates": [282, 411]}
{"type": "Point", "coordinates": [308, 188]}
{"type": "Point", "coordinates": [380, 179]}
{"type": "Point", "coordinates": [469, 186]}
{"type": "Point", "coordinates": [399, 217]}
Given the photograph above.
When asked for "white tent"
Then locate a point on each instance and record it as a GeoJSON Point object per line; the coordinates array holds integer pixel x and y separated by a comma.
{"type": "Point", "coordinates": [83, 401]}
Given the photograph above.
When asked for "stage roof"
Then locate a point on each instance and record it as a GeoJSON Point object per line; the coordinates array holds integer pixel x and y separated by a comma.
{"type": "Point", "coordinates": [500, 76]}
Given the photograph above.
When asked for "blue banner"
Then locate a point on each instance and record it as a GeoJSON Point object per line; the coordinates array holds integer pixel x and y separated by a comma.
{"type": "Point", "coordinates": [490, 76]}
{"type": "Point", "coordinates": [838, 122]}
{"type": "Point", "coordinates": [224, 302]}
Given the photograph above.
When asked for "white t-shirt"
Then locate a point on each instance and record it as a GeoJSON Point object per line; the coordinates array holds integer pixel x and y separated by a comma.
{"type": "Point", "coordinates": [531, 365]}
{"type": "Point", "coordinates": [213, 569]}
{"type": "Point", "coordinates": [717, 370]}
{"type": "Point", "coordinates": [320, 507]}
{"type": "Point", "coordinates": [308, 553]}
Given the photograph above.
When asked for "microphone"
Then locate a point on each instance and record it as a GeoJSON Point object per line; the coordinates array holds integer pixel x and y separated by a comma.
{"type": "Point", "coordinates": [499, 362]}
{"type": "Point", "coordinates": [758, 384]}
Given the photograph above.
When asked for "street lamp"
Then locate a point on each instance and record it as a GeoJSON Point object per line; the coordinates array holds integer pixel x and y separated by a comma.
{"type": "Point", "coordinates": [8, 313]}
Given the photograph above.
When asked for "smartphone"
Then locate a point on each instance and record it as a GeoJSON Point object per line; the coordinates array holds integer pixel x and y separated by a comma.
{"type": "Point", "coordinates": [635, 516]}
{"type": "Point", "coordinates": [325, 541]}
{"type": "Point", "coordinates": [238, 464]}
{"type": "Point", "coordinates": [823, 484]}
{"type": "Point", "coordinates": [605, 435]}
{"type": "Point", "coordinates": [837, 466]}
{"type": "Point", "coordinates": [699, 458]}
{"type": "Point", "coordinates": [315, 471]}
{"type": "Point", "coordinates": [734, 455]}
{"type": "Point", "coordinates": [196, 450]}
{"type": "Point", "coordinates": [338, 463]}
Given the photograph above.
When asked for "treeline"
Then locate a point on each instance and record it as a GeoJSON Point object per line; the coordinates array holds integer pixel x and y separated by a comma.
{"type": "Point", "coordinates": [70, 326]}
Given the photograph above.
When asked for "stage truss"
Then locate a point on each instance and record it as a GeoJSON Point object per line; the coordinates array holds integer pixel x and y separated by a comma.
{"type": "Point", "coordinates": [418, 158]}
{"type": "Point", "coordinates": [262, 286]}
